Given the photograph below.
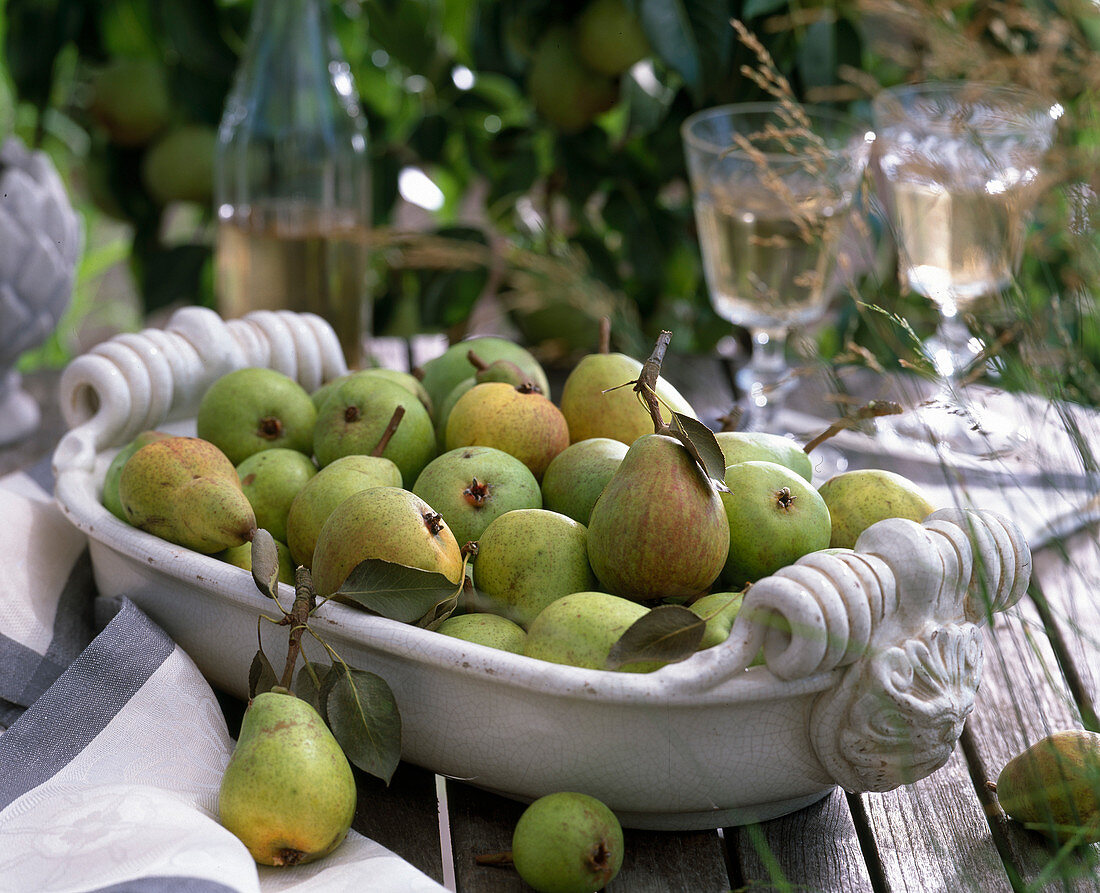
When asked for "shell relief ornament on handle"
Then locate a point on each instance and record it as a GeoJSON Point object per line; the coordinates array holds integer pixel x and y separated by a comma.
{"type": "Point", "coordinates": [897, 712]}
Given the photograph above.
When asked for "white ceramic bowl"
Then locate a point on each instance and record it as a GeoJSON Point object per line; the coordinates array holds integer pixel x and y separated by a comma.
{"type": "Point", "coordinates": [872, 655]}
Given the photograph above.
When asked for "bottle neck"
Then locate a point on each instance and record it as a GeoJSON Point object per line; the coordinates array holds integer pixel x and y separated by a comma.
{"type": "Point", "coordinates": [292, 130]}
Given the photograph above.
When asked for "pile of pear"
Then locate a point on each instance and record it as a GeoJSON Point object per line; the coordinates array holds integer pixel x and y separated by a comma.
{"type": "Point", "coordinates": [567, 520]}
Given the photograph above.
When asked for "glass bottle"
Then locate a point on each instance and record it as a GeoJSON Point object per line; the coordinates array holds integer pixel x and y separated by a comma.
{"type": "Point", "coordinates": [292, 177]}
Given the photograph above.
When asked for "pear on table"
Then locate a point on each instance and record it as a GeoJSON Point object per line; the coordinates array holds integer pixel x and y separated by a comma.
{"type": "Point", "coordinates": [288, 792]}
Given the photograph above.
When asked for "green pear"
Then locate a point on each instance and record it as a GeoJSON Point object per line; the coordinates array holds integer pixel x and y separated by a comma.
{"type": "Point", "coordinates": [859, 498]}
{"type": "Point", "coordinates": [1054, 786]}
{"type": "Point", "coordinates": [440, 374]}
{"type": "Point", "coordinates": [109, 496]}
{"type": "Point", "coordinates": [288, 792]}
{"type": "Point", "coordinates": [327, 489]}
{"type": "Point", "coordinates": [591, 410]}
{"type": "Point", "coordinates": [387, 523]}
{"type": "Point", "coordinates": [748, 446]}
{"type": "Point", "coordinates": [179, 165]}
{"type": "Point", "coordinates": [472, 486]}
{"type": "Point", "coordinates": [444, 411]}
{"type": "Point", "coordinates": [775, 517]}
{"type": "Point", "coordinates": [659, 528]}
{"type": "Point", "coordinates": [719, 610]}
{"type": "Point", "coordinates": [406, 379]}
{"type": "Point", "coordinates": [130, 100]}
{"type": "Point", "coordinates": [358, 411]}
{"type": "Point", "coordinates": [520, 421]}
{"type": "Point", "coordinates": [610, 37]}
{"type": "Point", "coordinates": [271, 479]}
{"type": "Point", "coordinates": [576, 476]}
{"type": "Point", "coordinates": [485, 629]}
{"type": "Point", "coordinates": [254, 409]}
{"type": "Point", "coordinates": [567, 842]}
{"type": "Point", "coordinates": [564, 91]}
{"type": "Point", "coordinates": [579, 629]}
{"type": "Point", "coordinates": [241, 556]}
{"type": "Point", "coordinates": [528, 558]}
{"type": "Point", "coordinates": [186, 491]}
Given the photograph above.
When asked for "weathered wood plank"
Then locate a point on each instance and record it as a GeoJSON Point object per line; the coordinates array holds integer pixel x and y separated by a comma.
{"type": "Point", "coordinates": [653, 862]}
{"type": "Point", "coordinates": [1069, 590]}
{"type": "Point", "coordinates": [816, 848]}
{"type": "Point", "coordinates": [932, 835]}
{"type": "Point", "coordinates": [482, 823]}
{"type": "Point", "coordinates": [403, 816]}
{"type": "Point", "coordinates": [668, 861]}
{"type": "Point", "coordinates": [1007, 718]}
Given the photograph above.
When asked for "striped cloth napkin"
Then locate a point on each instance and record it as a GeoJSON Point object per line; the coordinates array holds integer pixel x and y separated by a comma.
{"type": "Point", "coordinates": [113, 744]}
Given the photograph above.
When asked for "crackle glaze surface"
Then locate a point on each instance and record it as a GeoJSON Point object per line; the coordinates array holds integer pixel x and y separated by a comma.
{"type": "Point", "coordinates": [872, 656]}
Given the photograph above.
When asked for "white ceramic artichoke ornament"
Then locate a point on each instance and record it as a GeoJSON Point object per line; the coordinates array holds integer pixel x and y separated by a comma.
{"type": "Point", "coordinates": [40, 242]}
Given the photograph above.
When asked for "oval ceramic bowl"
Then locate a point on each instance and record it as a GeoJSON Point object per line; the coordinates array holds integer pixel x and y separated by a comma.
{"type": "Point", "coordinates": [872, 655]}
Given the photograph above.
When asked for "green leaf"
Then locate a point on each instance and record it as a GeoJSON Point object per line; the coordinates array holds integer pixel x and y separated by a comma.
{"type": "Point", "coordinates": [668, 633]}
{"type": "Point", "coordinates": [265, 563]}
{"type": "Point", "coordinates": [754, 8]}
{"type": "Point", "coordinates": [693, 37]}
{"type": "Point", "coordinates": [362, 713]}
{"type": "Point", "coordinates": [261, 675]}
{"type": "Point", "coordinates": [817, 55]}
{"type": "Point", "coordinates": [395, 591]}
{"type": "Point", "coordinates": [313, 683]}
{"type": "Point", "coordinates": [703, 446]}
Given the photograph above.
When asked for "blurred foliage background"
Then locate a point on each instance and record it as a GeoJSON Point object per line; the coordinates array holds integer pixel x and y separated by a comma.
{"type": "Point", "coordinates": [550, 130]}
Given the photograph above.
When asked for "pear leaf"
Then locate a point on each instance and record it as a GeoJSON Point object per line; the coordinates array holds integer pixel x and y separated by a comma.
{"type": "Point", "coordinates": [396, 591]}
{"type": "Point", "coordinates": [667, 633]}
{"type": "Point", "coordinates": [261, 675]}
{"type": "Point", "coordinates": [362, 713]}
{"type": "Point", "coordinates": [265, 563]}
{"type": "Point", "coordinates": [703, 446]}
{"type": "Point", "coordinates": [309, 684]}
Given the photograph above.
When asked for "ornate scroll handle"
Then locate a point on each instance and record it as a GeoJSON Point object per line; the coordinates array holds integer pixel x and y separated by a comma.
{"type": "Point", "coordinates": [834, 608]}
{"type": "Point", "coordinates": [138, 381]}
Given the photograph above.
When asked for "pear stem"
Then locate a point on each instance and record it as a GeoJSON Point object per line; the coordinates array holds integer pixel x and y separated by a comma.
{"type": "Point", "coordinates": [395, 420]}
{"type": "Point", "coordinates": [605, 335]}
{"type": "Point", "coordinates": [645, 386]}
{"type": "Point", "coordinates": [871, 410]}
{"type": "Point", "coordinates": [494, 858]}
{"type": "Point", "coordinates": [305, 599]}
{"type": "Point", "coordinates": [477, 362]}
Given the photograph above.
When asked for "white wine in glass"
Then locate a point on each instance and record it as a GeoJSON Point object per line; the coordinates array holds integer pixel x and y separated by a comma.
{"type": "Point", "coordinates": [773, 186]}
{"type": "Point", "coordinates": [961, 165]}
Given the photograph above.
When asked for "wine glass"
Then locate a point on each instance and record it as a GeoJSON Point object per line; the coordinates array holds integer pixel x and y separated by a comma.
{"type": "Point", "coordinates": [774, 185]}
{"type": "Point", "coordinates": [960, 166]}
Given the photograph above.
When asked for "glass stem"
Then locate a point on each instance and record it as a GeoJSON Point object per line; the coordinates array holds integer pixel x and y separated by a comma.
{"type": "Point", "coordinates": [765, 379]}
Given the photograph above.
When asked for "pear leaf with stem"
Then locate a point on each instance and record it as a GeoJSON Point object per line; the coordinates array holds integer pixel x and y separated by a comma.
{"type": "Point", "coordinates": [362, 712]}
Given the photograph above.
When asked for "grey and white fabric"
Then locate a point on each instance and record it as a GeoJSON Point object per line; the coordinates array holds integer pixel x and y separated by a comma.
{"type": "Point", "coordinates": [114, 744]}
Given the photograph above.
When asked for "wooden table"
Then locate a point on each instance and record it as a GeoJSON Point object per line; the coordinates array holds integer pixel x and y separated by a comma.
{"type": "Point", "coordinates": [943, 833]}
